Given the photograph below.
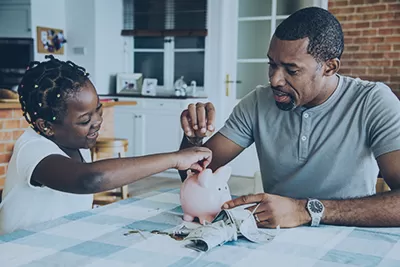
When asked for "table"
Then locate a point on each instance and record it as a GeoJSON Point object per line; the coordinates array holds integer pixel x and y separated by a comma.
{"type": "Point", "coordinates": [96, 238]}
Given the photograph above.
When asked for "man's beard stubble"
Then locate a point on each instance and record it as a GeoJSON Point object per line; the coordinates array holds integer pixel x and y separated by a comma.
{"type": "Point", "coordinates": [286, 106]}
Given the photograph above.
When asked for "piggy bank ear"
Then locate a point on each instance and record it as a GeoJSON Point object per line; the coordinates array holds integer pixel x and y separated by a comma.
{"type": "Point", "coordinates": [205, 177]}
{"type": "Point", "coordinates": [224, 173]}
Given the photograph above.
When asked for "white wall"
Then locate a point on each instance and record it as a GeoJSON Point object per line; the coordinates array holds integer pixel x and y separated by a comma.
{"type": "Point", "coordinates": [96, 25]}
{"type": "Point", "coordinates": [48, 13]}
{"type": "Point", "coordinates": [109, 56]}
{"type": "Point", "coordinates": [81, 33]}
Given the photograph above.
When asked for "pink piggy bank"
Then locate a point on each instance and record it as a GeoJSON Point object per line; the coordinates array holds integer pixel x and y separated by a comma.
{"type": "Point", "coordinates": [202, 194]}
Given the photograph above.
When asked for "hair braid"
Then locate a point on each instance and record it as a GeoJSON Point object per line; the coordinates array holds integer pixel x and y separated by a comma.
{"type": "Point", "coordinates": [46, 86]}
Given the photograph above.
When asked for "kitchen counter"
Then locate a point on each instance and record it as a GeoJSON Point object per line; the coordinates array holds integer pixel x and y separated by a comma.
{"type": "Point", "coordinates": [8, 104]}
{"type": "Point", "coordinates": [162, 95]}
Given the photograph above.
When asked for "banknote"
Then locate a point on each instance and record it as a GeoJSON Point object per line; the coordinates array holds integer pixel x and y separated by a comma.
{"type": "Point", "coordinates": [228, 225]}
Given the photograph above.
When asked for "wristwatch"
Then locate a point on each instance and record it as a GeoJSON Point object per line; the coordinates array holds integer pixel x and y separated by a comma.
{"type": "Point", "coordinates": [316, 210]}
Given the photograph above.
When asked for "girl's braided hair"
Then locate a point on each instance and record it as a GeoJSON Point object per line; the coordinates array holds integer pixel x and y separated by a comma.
{"type": "Point", "coordinates": [46, 86]}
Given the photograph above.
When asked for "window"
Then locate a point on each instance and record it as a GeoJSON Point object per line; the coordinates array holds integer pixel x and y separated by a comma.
{"type": "Point", "coordinates": [257, 20]}
{"type": "Point", "coordinates": [165, 39]}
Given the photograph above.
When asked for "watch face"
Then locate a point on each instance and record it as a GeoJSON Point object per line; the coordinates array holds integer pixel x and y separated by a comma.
{"type": "Point", "coordinates": [316, 206]}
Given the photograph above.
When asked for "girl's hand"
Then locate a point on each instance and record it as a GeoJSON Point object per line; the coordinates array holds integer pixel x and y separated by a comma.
{"type": "Point", "coordinates": [195, 158]}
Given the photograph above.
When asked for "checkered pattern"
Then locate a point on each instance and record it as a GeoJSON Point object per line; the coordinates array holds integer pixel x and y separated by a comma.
{"type": "Point", "coordinates": [96, 238]}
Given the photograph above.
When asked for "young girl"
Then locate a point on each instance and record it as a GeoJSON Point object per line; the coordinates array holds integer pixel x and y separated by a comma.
{"type": "Point", "coordinates": [50, 173]}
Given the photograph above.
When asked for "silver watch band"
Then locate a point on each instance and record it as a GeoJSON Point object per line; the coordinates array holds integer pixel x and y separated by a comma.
{"type": "Point", "coordinates": [315, 220]}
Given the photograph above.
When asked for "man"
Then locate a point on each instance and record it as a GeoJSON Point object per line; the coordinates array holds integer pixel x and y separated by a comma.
{"type": "Point", "coordinates": [321, 137]}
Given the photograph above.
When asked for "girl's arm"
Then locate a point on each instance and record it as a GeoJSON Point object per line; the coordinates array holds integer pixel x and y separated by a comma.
{"type": "Point", "coordinates": [67, 175]}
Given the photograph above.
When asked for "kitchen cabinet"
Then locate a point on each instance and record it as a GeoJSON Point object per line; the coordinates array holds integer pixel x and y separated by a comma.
{"type": "Point", "coordinates": [15, 18]}
{"type": "Point", "coordinates": [152, 126]}
{"type": "Point", "coordinates": [162, 132]}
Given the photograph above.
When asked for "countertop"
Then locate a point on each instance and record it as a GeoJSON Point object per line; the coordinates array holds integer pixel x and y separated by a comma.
{"type": "Point", "coordinates": [110, 100]}
{"type": "Point", "coordinates": [163, 95]}
{"type": "Point", "coordinates": [10, 104]}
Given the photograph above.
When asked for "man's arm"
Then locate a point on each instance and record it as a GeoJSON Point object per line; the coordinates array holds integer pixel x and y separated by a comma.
{"type": "Point", "coordinates": [378, 210]}
{"type": "Point", "coordinates": [197, 122]}
{"type": "Point", "coordinates": [381, 210]}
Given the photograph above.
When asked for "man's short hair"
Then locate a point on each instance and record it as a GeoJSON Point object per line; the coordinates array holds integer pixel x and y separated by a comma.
{"type": "Point", "coordinates": [321, 28]}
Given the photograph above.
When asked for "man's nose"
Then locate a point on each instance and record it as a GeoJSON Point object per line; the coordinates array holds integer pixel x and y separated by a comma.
{"type": "Point", "coordinates": [277, 78]}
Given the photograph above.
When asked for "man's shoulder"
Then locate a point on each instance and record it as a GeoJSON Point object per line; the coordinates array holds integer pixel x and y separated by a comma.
{"type": "Point", "coordinates": [363, 86]}
{"type": "Point", "coordinates": [357, 89]}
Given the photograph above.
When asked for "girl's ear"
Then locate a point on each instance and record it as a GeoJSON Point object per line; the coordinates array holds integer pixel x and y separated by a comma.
{"type": "Point", "coordinates": [44, 127]}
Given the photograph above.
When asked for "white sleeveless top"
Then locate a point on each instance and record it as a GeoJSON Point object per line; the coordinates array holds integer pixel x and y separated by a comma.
{"type": "Point", "coordinates": [23, 204]}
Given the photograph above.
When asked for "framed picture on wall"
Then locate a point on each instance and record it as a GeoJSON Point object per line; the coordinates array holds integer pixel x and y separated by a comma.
{"type": "Point", "coordinates": [50, 41]}
{"type": "Point", "coordinates": [129, 83]}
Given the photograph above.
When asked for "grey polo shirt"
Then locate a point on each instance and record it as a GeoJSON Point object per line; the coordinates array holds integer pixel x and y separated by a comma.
{"type": "Point", "coordinates": [326, 152]}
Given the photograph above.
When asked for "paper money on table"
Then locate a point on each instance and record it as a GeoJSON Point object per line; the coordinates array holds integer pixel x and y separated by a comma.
{"type": "Point", "coordinates": [227, 226]}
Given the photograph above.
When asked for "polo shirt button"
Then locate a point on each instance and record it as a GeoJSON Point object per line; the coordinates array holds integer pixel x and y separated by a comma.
{"type": "Point", "coordinates": [306, 115]}
{"type": "Point", "coordinates": [303, 138]}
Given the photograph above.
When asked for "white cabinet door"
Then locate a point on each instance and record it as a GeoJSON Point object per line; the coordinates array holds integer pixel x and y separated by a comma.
{"type": "Point", "coordinates": [139, 137]}
{"type": "Point", "coordinates": [15, 20]}
{"type": "Point", "coordinates": [124, 125]}
{"type": "Point", "coordinates": [151, 127]}
{"type": "Point", "coordinates": [162, 132]}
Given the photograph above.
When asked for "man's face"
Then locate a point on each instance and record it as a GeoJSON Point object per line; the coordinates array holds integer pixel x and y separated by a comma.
{"type": "Point", "coordinates": [82, 121]}
{"type": "Point", "coordinates": [296, 78]}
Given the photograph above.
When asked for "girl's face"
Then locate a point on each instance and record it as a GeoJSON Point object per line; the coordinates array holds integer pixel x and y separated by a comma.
{"type": "Point", "coordinates": [82, 121]}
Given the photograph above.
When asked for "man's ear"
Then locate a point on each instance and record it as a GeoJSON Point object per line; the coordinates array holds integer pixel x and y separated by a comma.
{"type": "Point", "coordinates": [332, 66]}
{"type": "Point", "coordinates": [44, 127]}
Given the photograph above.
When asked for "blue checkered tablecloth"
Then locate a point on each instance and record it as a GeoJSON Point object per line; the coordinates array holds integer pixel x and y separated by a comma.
{"type": "Point", "coordinates": [96, 238]}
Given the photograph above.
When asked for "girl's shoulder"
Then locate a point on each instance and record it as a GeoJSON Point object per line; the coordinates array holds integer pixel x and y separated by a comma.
{"type": "Point", "coordinates": [32, 143]}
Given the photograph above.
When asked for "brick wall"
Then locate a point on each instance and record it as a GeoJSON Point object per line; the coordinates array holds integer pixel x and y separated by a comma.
{"type": "Point", "coordinates": [372, 39]}
{"type": "Point", "coordinates": [12, 125]}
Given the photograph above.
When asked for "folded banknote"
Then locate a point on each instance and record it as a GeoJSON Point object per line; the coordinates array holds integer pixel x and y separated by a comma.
{"type": "Point", "coordinates": [228, 225]}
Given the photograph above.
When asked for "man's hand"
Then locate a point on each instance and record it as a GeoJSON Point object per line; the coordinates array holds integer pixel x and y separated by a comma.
{"type": "Point", "coordinates": [195, 158]}
{"type": "Point", "coordinates": [198, 120]}
{"type": "Point", "coordinates": [274, 210]}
